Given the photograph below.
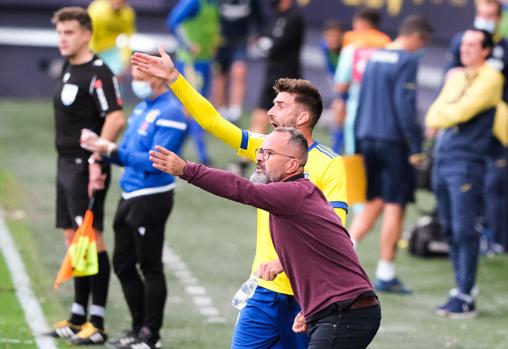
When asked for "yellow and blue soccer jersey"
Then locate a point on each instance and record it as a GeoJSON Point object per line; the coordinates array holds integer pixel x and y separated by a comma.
{"type": "Point", "coordinates": [324, 168]}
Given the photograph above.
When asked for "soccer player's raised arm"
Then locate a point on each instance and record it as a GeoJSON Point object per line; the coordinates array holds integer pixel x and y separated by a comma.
{"type": "Point", "coordinates": [198, 106]}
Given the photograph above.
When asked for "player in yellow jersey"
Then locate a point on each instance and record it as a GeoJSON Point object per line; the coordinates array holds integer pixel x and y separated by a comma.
{"type": "Point", "coordinates": [266, 320]}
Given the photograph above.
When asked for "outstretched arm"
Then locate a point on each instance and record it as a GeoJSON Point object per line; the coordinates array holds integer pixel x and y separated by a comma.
{"type": "Point", "coordinates": [280, 198]}
{"type": "Point", "coordinates": [167, 161]}
{"type": "Point", "coordinates": [160, 67]}
{"type": "Point", "coordinates": [198, 106]}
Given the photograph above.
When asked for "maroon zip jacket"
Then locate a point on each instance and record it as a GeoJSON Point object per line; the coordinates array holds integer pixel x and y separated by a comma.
{"type": "Point", "coordinates": [314, 249]}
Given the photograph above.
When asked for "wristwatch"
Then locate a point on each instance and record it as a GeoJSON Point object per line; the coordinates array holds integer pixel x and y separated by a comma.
{"type": "Point", "coordinates": [93, 160]}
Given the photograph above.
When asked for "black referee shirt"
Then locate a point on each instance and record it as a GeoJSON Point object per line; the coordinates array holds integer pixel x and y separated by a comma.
{"type": "Point", "coordinates": [85, 94]}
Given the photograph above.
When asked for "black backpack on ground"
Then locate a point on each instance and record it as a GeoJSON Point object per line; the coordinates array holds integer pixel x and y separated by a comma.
{"type": "Point", "coordinates": [426, 238]}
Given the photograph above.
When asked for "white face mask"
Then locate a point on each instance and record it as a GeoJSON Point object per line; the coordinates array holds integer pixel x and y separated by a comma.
{"type": "Point", "coordinates": [141, 89]}
{"type": "Point", "coordinates": [485, 24]}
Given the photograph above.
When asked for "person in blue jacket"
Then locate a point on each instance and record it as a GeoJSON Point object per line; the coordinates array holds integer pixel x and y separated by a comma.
{"type": "Point", "coordinates": [145, 205]}
{"type": "Point", "coordinates": [488, 17]}
{"type": "Point", "coordinates": [331, 45]}
{"type": "Point", "coordinates": [195, 25]}
{"type": "Point", "coordinates": [389, 138]}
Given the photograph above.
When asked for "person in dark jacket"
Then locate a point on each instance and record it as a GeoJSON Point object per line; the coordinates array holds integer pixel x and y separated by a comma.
{"type": "Point", "coordinates": [329, 283]}
{"type": "Point", "coordinates": [238, 18]}
{"type": "Point", "coordinates": [390, 140]}
{"type": "Point", "coordinates": [464, 113]}
{"type": "Point", "coordinates": [281, 45]}
{"type": "Point", "coordinates": [488, 17]}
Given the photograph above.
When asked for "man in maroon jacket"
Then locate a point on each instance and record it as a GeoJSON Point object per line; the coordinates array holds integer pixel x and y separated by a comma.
{"type": "Point", "coordinates": [329, 283]}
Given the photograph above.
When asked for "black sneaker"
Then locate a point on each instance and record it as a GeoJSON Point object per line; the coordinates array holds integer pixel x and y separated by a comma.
{"type": "Point", "coordinates": [89, 334]}
{"type": "Point", "coordinates": [145, 340]}
{"type": "Point", "coordinates": [457, 308]}
{"type": "Point", "coordinates": [125, 341]}
{"type": "Point", "coordinates": [64, 329]}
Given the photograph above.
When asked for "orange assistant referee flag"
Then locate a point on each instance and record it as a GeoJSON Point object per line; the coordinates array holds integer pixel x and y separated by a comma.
{"type": "Point", "coordinates": [81, 257]}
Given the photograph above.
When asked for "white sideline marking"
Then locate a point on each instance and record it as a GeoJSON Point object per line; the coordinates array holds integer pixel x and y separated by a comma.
{"type": "Point", "coordinates": [192, 287]}
{"type": "Point", "coordinates": [33, 312]}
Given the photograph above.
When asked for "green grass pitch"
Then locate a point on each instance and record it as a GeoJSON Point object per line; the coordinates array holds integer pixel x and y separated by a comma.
{"type": "Point", "coordinates": [216, 239]}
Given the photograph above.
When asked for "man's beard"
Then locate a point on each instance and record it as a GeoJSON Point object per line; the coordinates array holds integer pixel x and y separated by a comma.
{"type": "Point", "coordinates": [259, 178]}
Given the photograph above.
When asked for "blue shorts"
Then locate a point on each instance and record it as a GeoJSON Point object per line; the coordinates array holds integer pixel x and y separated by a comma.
{"type": "Point", "coordinates": [266, 321]}
{"type": "Point", "coordinates": [390, 176]}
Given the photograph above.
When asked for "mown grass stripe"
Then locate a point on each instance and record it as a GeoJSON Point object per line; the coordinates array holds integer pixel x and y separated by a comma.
{"type": "Point", "coordinates": [193, 288]}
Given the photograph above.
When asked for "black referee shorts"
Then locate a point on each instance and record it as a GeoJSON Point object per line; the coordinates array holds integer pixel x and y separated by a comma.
{"type": "Point", "coordinates": [72, 193]}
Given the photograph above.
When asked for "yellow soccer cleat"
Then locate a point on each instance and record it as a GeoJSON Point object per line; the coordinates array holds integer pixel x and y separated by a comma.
{"type": "Point", "coordinates": [65, 329]}
{"type": "Point", "coordinates": [89, 334]}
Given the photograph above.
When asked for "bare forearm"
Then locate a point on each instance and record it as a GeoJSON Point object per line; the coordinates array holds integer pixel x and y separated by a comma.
{"type": "Point", "coordinates": [113, 125]}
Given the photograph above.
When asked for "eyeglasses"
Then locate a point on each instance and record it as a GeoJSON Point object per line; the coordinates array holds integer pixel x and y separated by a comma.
{"type": "Point", "coordinates": [267, 153]}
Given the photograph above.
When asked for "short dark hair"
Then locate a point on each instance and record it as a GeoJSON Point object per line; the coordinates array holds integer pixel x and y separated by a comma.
{"type": "Point", "coordinates": [296, 139]}
{"type": "Point", "coordinates": [416, 24]}
{"type": "Point", "coordinates": [369, 15]}
{"type": "Point", "coordinates": [73, 13]}
{"type": "Point", "coordinates": [488, 39]}
{"type": "Point", "coordinates": [306, 95]}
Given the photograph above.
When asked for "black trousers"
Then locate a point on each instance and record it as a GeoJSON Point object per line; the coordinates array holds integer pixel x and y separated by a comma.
{"type": "Point", "coordinates": [348, 329]}
{"type": "Point", "coordinates": [139, 238]}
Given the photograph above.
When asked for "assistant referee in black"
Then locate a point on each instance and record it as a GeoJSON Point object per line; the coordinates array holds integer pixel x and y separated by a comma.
{"type": "Point", "coordinates": [86, 96]}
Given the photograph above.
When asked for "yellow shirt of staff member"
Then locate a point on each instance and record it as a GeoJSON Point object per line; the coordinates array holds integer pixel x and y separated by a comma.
{"type": "Point", "coordinates": [324, 167]}
{"type": "Point", "coordinates": [111, 18]}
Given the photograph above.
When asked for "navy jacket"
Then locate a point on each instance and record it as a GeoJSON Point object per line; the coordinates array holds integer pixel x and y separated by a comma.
{"type": "Point", "coordinates": [387, 105]}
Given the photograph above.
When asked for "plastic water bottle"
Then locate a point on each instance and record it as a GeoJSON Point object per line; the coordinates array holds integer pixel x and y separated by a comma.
{"type": "Point", "coordinates": [245, 293]}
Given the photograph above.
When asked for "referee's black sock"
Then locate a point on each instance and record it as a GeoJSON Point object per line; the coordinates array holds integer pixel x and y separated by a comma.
{"type": "Point", "coordinates": [81, 293]}
{"type": "Point", "coordinates": [100, 285]}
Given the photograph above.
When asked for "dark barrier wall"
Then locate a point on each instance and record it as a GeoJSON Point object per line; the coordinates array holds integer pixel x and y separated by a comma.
{"type": "Point", "coordinates": [447, 16]}
{"type": "Point", "coordinates": [34, 61]}
{"type": "Point", "coordinates": [145, 5]}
